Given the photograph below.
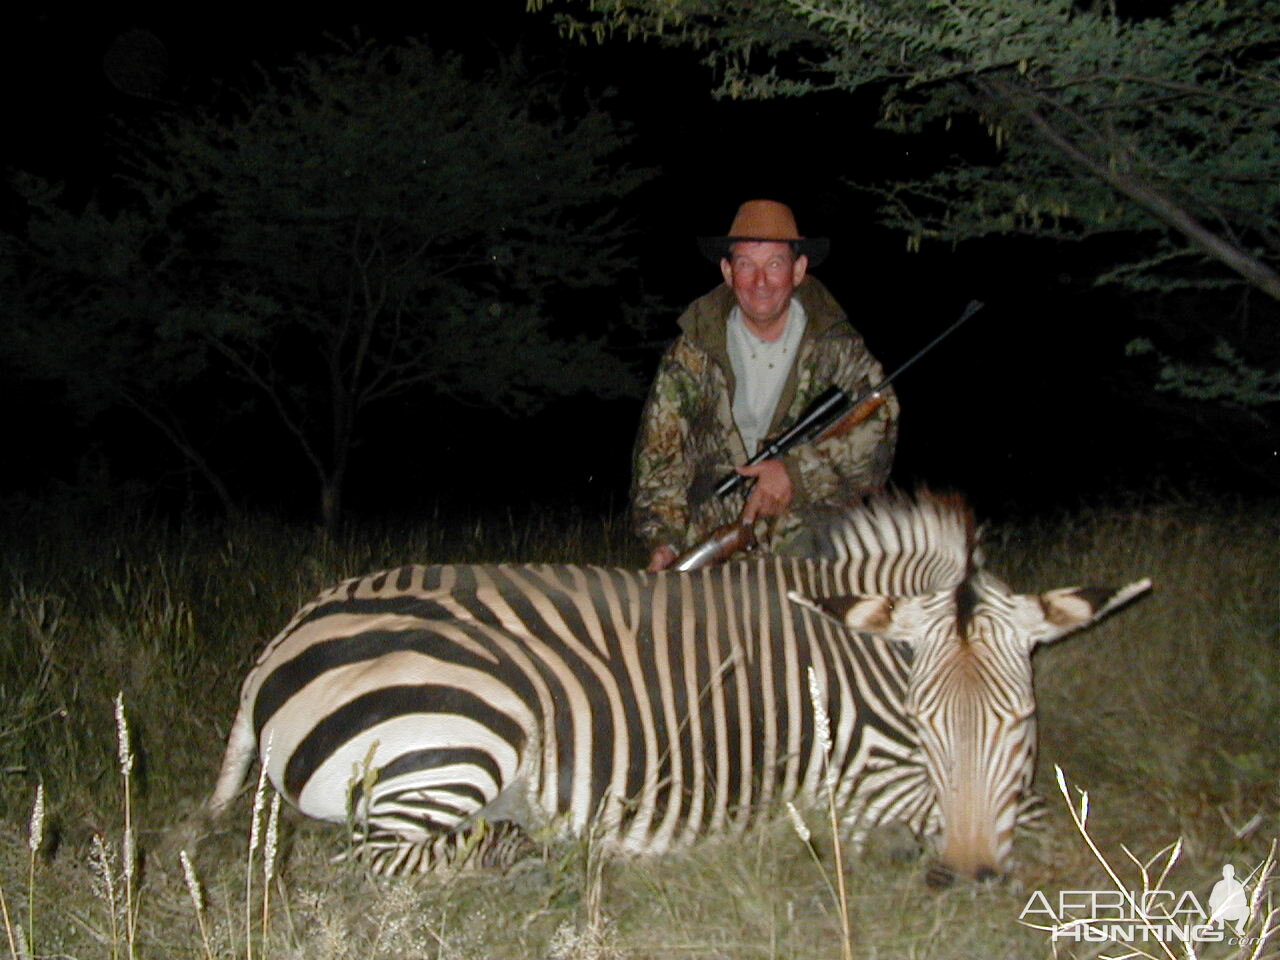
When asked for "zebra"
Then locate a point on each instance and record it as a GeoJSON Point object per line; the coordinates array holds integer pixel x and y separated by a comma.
{"type": "Point", "coordinates": [446, 712]}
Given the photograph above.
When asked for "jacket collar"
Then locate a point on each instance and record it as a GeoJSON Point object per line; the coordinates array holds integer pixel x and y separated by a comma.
{"type": "Point", "coordinates": [704, 321]}
{"type": "Point", "coordinates": [704, 324]}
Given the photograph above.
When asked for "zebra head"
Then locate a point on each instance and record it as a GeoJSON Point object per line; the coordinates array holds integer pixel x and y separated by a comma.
{"type": "Point", "coordinates": [916, 578]}
{"type": "Point", "coordinates": [971, 699]}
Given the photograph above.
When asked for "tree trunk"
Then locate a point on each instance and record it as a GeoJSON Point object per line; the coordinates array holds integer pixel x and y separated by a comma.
{"type": "Point", "coordinates": [331, 500]}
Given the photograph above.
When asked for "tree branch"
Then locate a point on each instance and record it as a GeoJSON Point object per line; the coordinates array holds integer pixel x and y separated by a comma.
{"type": "Point", "coordinates": [1190, 89]}
{"type": "Point", "coordinates": [1154, 201]}
{"type": "Point", "coordinates": [175, 436]}
{"type": "Point", "coordinates": [273, 395]}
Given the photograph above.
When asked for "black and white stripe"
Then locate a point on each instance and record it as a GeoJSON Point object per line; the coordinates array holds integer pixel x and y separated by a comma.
{"type": "Point", "coordinates": [424, 702]}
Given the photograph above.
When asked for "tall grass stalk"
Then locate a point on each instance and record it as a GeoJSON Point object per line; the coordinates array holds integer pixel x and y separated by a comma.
{"type": "Point", "coordinates": [595, 940]}
{"type": "Point", "coordinates": [806, 837]}
{"type": "Point", "coordinates": [102, 862]}
{"type": "Point", "coordinates": [1079, 814]}
{"type": "Point", "coordinates": [1080, 818]}
{"type": "Point", "coordinates": [255, 833]}
{"type": "Point", "coordinates": [197, 900]}
{"type": "Point", "coordinates": [8, 926]}
{"type": "Point", "coordinates": [269, 862]}
{"type": "Point", "coordinates": [129, 854]}
{"type": "Point", "coordinates": [35, 836]}
{"type": "Point", "coordinates": [822, 729]}
{"type": "Point", "coordinates": [1270, 921]}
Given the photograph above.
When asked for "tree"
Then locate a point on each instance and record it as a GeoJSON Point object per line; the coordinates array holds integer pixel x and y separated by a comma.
{"type": "Point", "coordinates": [368, 223]}
{"type": "Point", "coordinates": [93, 301]}
{"type": "Point", "coordinates": [1162, 128]}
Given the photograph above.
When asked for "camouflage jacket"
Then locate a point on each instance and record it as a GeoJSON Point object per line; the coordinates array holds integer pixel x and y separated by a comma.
{"type": "Point", "coordinates": [688, 439]}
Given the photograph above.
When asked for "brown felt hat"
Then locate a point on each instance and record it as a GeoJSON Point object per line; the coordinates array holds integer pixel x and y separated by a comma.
{"type": "Point", "coordinates": [765, 220]}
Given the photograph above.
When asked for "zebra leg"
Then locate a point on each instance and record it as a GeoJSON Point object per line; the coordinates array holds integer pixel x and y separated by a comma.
{"type": "Point", "coordinates": [484, 845]}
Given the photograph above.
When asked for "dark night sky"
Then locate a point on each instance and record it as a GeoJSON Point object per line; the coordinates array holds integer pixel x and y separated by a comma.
{"type": "Point", "coordinates": [1034, 395]}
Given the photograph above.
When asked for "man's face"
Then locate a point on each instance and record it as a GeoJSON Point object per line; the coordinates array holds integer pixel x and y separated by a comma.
{"type": "Point", "coordinates": [762, 276]}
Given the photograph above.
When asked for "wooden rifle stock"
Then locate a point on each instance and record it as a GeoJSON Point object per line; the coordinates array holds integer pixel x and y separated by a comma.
{"type": "Point", "coordinates": [861, 411]}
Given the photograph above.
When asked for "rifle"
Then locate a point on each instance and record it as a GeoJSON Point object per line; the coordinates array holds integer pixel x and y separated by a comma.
{"type": "Point", "coordinates": [832, 414]}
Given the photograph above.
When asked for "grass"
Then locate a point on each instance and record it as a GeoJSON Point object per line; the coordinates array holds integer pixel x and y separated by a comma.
{"type": "Point", "coordinates": [1166, 715]}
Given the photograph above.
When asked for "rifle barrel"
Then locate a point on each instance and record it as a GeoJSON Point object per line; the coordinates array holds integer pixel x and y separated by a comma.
{"type": "Point", "coordinates": [829, 407]}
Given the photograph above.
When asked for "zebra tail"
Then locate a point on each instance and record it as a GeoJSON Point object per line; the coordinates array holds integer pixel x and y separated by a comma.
{"type": "Point", "coordinates": [242, 747]}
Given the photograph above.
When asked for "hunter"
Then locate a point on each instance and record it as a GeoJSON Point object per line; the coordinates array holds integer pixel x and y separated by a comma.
{"type": "Point", "coordinates": [752, 354]}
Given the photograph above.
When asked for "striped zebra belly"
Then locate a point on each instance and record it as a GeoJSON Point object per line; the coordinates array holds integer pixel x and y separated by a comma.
{"type": "Point", "coordinates": [418, 755]}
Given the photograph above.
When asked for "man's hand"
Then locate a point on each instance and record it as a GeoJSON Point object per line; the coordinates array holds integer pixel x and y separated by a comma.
{"type": "Point", "coordinates": [772, 493]}
{"type": "Point", "coordinates": [661, 558]}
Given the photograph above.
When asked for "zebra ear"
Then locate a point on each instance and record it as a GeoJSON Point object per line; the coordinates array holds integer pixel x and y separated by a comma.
{"type": "Point", "coordinates": [1071, 608]}
{"type": "Point", "coordinates": [851, 611]}
{"type": "Point", "coordinates": [830, 607]}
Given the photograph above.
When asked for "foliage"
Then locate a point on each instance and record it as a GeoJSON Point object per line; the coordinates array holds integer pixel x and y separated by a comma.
{"type": "Point", "coordinates": [1176, 113]}
{"type": "Point", "coordinates": [1229, 378]}
{"type": "Point", "coordinates": [370, 223]}
{"type": "Point", "coordinates": [1159, 128]}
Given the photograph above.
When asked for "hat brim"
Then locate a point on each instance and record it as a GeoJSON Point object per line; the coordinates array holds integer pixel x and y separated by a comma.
{"type": "Point", "coordinates": [716, 249]}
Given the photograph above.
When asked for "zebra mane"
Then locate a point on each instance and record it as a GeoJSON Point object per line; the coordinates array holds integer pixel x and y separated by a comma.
{"type": "Point", "coordinates": [895, 543]}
